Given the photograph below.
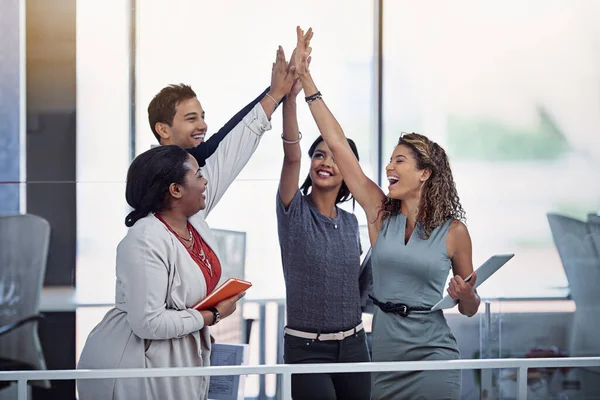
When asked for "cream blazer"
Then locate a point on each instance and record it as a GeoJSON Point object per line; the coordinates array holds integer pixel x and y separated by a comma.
{"type": "Point", "coordinates": [152, 324]}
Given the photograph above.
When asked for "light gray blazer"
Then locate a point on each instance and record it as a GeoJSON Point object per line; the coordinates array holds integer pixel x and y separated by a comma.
{"type": "Point", "coordinates": [152, 324]}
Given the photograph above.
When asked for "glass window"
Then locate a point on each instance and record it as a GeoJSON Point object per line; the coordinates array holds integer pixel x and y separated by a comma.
{"type": "Point", "coordinates": [510, 91]}
{"type": "Point", "coordinates": [102, 151]}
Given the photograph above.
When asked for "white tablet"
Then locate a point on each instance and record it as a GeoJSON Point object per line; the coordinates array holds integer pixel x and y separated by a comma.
{"type": "Point", "coordinates": [486, 270]}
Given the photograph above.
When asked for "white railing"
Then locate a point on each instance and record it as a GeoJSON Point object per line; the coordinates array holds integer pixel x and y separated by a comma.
{"type": "Point", "coordinates": [286, 370]}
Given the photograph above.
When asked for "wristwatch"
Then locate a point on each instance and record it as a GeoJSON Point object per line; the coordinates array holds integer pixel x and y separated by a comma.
{"type": "Point", "coordinates": [216, 315]}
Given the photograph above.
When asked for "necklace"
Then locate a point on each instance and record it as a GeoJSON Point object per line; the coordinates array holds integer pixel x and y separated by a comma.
{"type": "Point", "coordinates": [190, 239]}
{"type": "Point", "coordinates": [199, 252]}
{"type": "Point", "coordinates": [331, 219]}
{"type": "Point", "coordinates": [202, 256]}
{"type": "Point", "coordinates": [190, 246]}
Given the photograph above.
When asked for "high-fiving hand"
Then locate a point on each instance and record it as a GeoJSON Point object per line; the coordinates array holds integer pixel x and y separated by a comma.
{"type": "Point", "coordinates": [297, 86]}
{"type": "Point", "coordinates": [304, 43]}
{"type": "Point", "coordinates": [302, 51]}
{"type": "Point", "coordinates": [282, 77]}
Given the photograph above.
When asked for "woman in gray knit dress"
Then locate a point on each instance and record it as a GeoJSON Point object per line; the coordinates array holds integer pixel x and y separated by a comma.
{"type": "Point", "coordinates": [418, 237]}
{"type": "Point", "coordinates": [320, 254]}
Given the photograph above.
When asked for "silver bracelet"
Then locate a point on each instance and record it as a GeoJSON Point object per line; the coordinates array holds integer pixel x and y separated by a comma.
{"type": "Point", "coordinates": [292, 141]}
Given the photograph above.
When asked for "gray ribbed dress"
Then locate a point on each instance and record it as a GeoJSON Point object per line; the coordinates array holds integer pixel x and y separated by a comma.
{"type": "Point", "coordinates": [414, 274]}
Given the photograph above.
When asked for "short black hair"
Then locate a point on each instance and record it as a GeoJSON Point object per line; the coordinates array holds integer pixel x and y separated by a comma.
{"type": "Point", "coordinates": [149, 177]}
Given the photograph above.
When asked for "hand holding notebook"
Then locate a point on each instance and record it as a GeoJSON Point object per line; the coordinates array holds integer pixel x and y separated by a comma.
{"type": "Point", "coordinates": [228, 289]}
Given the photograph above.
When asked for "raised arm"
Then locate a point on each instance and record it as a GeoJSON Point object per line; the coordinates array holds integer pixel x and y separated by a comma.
{"type": "Point", "coordinates": [290, 171]}
{"type": "Point", "coordinates": [282, 79]}
{"type": "Point", "coordinates": [235, 150]}
{"type": "Point", "coordinates": [269, 100]}
{"type": "Point", "coordinates": [365, 191]}
{"type": "Point", "coordinates": [208, 148]}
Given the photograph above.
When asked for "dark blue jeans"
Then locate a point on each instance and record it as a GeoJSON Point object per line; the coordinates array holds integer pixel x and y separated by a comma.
{"type": "Point", "coordinates": [347, 386]}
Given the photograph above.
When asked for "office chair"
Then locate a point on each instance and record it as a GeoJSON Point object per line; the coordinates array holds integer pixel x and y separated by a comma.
{"type": "Point", "coordinates": [24, 241]}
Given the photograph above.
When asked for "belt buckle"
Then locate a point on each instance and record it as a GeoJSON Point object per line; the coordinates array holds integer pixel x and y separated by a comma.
{"type": "Point", "coordinates": [403, 310]}
{"type": "Point", "coordinates": [338, 336]}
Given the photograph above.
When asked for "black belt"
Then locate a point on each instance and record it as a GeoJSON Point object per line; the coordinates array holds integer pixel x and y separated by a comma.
{"type": "Point", "coordinates": [397, 308]}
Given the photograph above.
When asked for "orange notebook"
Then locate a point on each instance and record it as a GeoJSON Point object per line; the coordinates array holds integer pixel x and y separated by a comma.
{"type": "Point", "coordinates": [229, 288]}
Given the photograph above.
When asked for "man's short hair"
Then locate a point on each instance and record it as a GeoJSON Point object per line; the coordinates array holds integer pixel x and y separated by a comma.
{"type": "Point", "coordinates": [163, 106]}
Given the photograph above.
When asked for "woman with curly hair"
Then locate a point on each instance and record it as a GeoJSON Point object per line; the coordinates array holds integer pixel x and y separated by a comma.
{"type": "Point", "coordinates": [417, 236]}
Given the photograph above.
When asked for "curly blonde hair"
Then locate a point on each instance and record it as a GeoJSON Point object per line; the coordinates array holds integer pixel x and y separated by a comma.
{"type": "Point", "coordinates": [439, 199]}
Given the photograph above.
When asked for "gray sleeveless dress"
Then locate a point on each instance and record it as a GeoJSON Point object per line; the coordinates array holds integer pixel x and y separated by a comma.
{"type": "Point", "coordinates": [414, 274]}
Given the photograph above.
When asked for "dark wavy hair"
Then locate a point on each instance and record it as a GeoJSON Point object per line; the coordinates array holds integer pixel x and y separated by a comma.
{"type": "Point", "coordinates": [439, 199]}
{"type": "Point", "coordinates": [163, 106]}
{"type": "Point", "coordinates": [344, 193]}
{"type": "Point", "coordinates": [149, 177]}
